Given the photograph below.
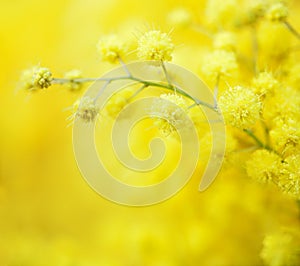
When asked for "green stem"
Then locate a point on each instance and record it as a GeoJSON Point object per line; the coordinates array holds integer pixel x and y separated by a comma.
{"type": "Point", "coordinates": [124, 66]}
{"type": "Point", "coordinates": [257, 140]}
{"type": "Point", "coordinates": [165, 72]}
{"type": "Point", "coordinates": [292, 29]}
{"type": "Point", "coordinates": [137, 92]}
{"type": "Point", "coordinates": [146, 83]}
{"type": "Point", "coordinates": [83, 80]}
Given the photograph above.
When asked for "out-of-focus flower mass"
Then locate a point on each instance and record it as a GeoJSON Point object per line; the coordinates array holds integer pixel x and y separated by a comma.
{"type": "Point", "coordinates": [248, 54]}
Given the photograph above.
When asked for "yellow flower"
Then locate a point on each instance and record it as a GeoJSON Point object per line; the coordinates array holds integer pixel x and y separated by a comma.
{"type": "Point", "coordinates": [86, 109]}
{"type": "Point", "coordinates": [240, 107]}
{"type": "Point", "coordinates": [289, 181]}
{"type": "Point", "coordinates": [256, 9]}
{"type": "Point", "coordinates": [111, 48]}
{"type": "Point", "coordinates": [281, 248]}
{"type": "Point", "coordinates": [155, 45]}
{"type": "Point", "coordinates": [264, 166]}
{"type": "Point", "coordinates": [285, 136]}
{"type": "Point", "coordinates": [36, 78]}
{"type": "Point", "coordinates": [277, 12]}
{"type": "Point", "coordinates": [264, 83]}
{"type": "Point", "coordinates": [285, 104]}
{"type": "Point", "coordinates": [225, 40]}
{"type": "Point", "coordinates": [219, 63]}
{"type": "Point", "coordinates": [166, 113]}
{"type": "Point", "coordinates": [221, 12]}
{"type": "Point", "coordinates": [117, 102]}
{"type": "Point", "coordinates": [179, 17]}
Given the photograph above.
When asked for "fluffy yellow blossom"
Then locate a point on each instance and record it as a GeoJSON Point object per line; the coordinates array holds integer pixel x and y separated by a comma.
{"type": "Point", "coordinates": [256, 9]}
{"type": "Point", "coordinates": [264, 83]}
{"type": "Point", "coordinates": [72, 75]}
{"type": "Point", "coordinates": [219, 63]}
{"type": "Point", "coordinates": [179, 17]}
{"type": "Point", "coordinates": [240, 107]}
{"type": "Point", "coordinates": [264, 166]}
{"type": "Point", "coordinates": [285, 136]}
{"type": "Point", "coordinates": [277, 12]}
{"type": "Point", "coordinates": [111, 48]}
{"type": "Point", "coordinates": [283, 105]}
{"type": "Point", "coordinates": [117, 102]}
{"type": "Point", "coordinates": [42, 77]}
{"type": "Point", "coordinates": [166, 113]}
{"type": "Point", "coordinates": [225, 40]}
{"type": "Point", "coordinates": [221, 12]}
{"type": "Point", "coordinates": [36, 78]}
{"type": "Point", "coordinates": [86, 109]}
{"type": "Point", "coordinates": [281, 248]}
{"type": "Point", "coordinates": [155, 45]}
{"type": "Point", "coordinates": [289, 181]}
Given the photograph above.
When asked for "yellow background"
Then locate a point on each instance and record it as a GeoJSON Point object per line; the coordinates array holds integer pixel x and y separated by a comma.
{"type": "Point", "coordinates": [48, 214]}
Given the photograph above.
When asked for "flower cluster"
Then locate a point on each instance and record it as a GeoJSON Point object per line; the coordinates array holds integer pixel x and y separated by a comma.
{"type": "Point", "coordinates": [282, 248]}
{"type": "Point", "coordinates": [254, 71]}
{"type": "Point", "coordinates": [36, 78]}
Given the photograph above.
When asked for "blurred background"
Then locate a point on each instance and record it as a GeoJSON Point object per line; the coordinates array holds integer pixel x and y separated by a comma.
{"type": "Point", "coordinates": [48, 213]}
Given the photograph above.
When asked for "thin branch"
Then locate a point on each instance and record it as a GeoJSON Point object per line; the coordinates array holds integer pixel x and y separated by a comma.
{"type": "Point", "coordinates": [216, 90]}
{"type": "Point", "coordinates": [292, 29]}
{"type": "Point", "coordinates": [124, 66]}
{"type": "Point", "coordinates": [101, 90]}
{"type": "Point", "coordinates": [146, 83]}
{"type": "Point", "coordinates": [257, 140]}
{"type": "Point", "coordinates": [165, 72]}
{"type": "Point", "coordinates": [137, 92]}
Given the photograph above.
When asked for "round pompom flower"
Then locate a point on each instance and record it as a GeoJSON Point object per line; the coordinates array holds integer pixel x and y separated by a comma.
{"type": "Point", "coordinates": [225, 40]}
{"type": "Point", "coordinates": [166, 113]}
{"type": "Point", "coordinates": [155, 45]}
{"type": "Point", "coordinates": [219, 63]}
{"type": "Point", "coordinates": [111, 48]}
{"type": "Point", "coordinates": [240, 107]}
{"type": "Point", "coordinates": [36, 78]}
{"type": "Point", "coordinates": [277, 12]}
{"type": "Point", "coordinates": [264, 83]}
{"type": "Point", "coordinates": [264, 166]}
{"type": "Point", "coordinates": [179, 17]}
{"type": "Point", "coordinates": [87, 109]}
